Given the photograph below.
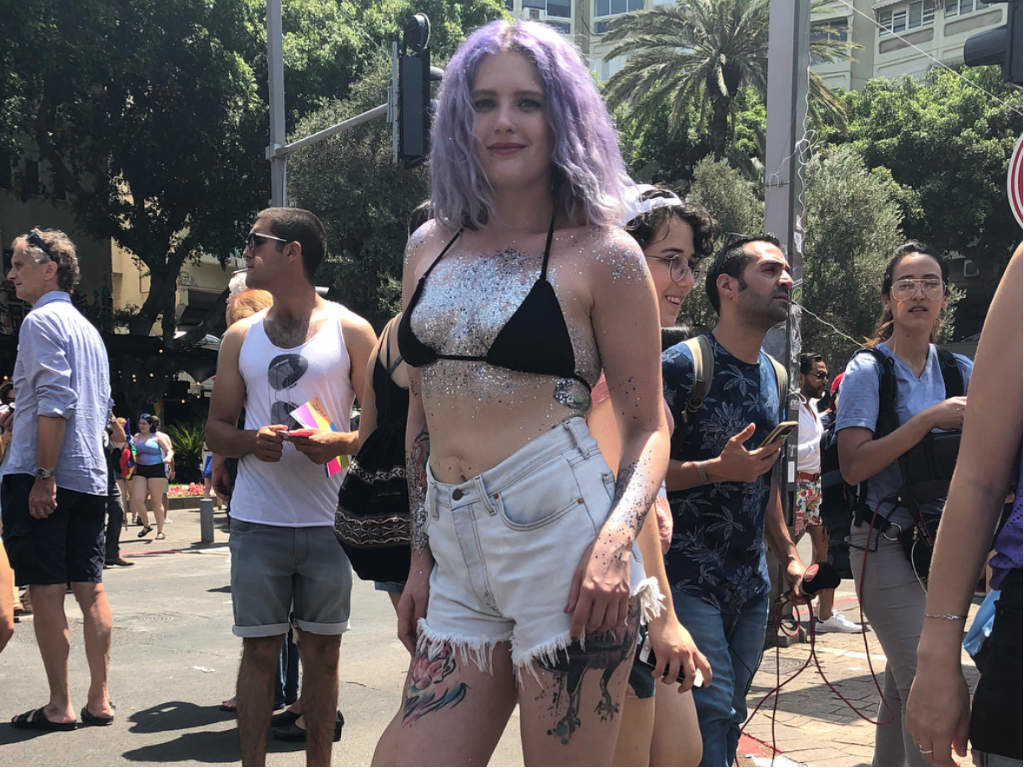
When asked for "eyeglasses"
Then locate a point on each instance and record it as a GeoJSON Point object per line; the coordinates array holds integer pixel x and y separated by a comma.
{"type": "Point", "coordinates": [820, 375]}
{"type": "Point", "coordinates": [907, 287]}
{"type": "Point", "coordinates": [679, 267]}
{"type": "Point", "coordinates": [250, 240]}
{"type": "Point", "coordinates": [34, 239]}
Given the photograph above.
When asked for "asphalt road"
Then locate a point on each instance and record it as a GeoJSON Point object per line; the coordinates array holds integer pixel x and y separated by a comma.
{"type": "Point", "coordinates": [174, 660]}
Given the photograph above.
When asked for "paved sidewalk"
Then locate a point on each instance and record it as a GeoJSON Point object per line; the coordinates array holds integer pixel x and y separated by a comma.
{"type": "Point", "coordinates": [812, 725]}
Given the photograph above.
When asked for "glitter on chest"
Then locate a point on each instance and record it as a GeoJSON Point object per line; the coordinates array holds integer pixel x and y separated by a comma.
{"type": "Point", "coordinates": [465, 303]}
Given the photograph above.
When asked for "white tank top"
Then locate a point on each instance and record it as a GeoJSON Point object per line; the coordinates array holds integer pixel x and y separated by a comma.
{"type": "Point", "coordinates": [292, 492]}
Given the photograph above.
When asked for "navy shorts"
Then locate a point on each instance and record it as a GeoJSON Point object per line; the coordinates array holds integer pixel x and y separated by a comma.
{"type": "Point", "coordinates": [64, 547]}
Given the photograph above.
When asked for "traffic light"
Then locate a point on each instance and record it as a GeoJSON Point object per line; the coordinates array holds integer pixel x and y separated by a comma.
{"type": "Point", "coordinates": [412, 101]}
{"type": "Point", "coordinates": [1001, 45]}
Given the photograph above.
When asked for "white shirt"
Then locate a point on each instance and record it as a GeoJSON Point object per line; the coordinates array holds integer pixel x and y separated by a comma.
{"type": "Point", "coordinates": [808, 451]}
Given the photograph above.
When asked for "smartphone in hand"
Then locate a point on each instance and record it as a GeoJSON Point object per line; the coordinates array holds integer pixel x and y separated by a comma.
{"type": "Point", "coordinates": [781, 432]}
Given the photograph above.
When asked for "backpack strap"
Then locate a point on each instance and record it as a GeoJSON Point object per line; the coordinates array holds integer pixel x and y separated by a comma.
{"type": "Point", "coordinates": [782, 382]}
{"type": "Point", "coordinates": [703, 371]}
{"type": "Point", "coordinates": [951, 375]}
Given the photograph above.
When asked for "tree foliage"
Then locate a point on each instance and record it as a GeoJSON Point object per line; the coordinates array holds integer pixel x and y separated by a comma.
{"type": "Point", "coordinates": [349, 181]}
{"type": "Point", "coordinates": [703, 52]}
{"type": "Point", "coordinates": [153, 113]}
{"type": "Point", "coordinates": [947, 143]}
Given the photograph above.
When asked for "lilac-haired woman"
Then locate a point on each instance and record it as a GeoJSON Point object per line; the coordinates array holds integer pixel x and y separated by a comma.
{"type": "Point", "coordinates": [525, 586]}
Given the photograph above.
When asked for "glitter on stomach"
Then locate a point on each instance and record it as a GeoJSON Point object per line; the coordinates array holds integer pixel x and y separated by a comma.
{"type": "Point", "coordinates": [479, 414]}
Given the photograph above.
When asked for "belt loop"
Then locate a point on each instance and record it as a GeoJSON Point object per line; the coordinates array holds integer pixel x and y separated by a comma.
{"type": "Point", "coordinates": [433, 495]}
{"type": "Point", "coordinates": [574, 426]}
{"type": "Point", "coordinates": [485, 497]}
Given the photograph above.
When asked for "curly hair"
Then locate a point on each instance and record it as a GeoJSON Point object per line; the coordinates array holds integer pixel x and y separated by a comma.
{"type": "Point", "coordinates": [646, 226]}
{"type": "Point", "coordinates": [44, 245]}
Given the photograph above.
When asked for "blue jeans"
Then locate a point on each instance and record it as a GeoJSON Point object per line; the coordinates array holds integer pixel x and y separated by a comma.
{"type": "Point", "coordinates": [733, 644]}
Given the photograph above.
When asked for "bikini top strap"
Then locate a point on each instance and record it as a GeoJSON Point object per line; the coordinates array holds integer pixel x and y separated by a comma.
{"type": "Point", "coordinates": [387, 349]}
{"type": "Point", "coordinates": [547, 248]}
{"type": "Point", "coordinates": [440, 255]}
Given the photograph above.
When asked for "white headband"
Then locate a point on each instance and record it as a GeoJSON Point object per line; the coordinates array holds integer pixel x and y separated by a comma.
{"type": "Point", "coordinates": [635, 206]}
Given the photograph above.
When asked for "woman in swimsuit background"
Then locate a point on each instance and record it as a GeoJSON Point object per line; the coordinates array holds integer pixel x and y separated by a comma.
{"type": "Point", "coordinates": [525, 586]}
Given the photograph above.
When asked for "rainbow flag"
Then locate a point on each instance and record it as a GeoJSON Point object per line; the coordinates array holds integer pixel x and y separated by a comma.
{"type": "Point", "coordinates": [313, 415]}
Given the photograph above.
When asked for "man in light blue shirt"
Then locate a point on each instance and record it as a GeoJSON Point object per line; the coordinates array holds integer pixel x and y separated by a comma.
{"type": "Point", "coordinates": [55, 479]}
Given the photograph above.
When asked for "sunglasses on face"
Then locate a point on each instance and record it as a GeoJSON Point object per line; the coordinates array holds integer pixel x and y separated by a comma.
{"type": "Point", "coordinates": [820, 375]}
{"type": "Point", "coordinates": [251, 242]}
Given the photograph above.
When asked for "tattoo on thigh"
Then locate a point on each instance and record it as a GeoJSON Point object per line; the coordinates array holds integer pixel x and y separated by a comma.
{"type": "Point", "coordinates": [430, 668]}
{"type": "Point", "coordinates": [604, 652]}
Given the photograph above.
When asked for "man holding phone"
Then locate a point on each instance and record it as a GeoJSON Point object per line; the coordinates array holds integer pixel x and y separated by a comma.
{"type": "Point", "coordinates": [725, 502]}
{"type": "Point", "coordinates": [285, 560]}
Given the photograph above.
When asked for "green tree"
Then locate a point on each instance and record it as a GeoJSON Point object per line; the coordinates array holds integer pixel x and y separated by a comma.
{"type": "Point", "coordinates": [703, 52]}
{"type": "Point", "coordinates": [149, 115]}
{"type": "Point", "coordinates": [851, 226]}
{"type": "Point", "coordinates": [947, 143]}
{"type": "Point", "coordinates": [350, 182]}
{"type": "Point", "coordinates": [734, 202]}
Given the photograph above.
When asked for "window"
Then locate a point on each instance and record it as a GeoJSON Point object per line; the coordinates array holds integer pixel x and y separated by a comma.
{"type": "Point", "coordinates": [510, 5]}
{"type": "Point", "coordinates": [600, 27]}
{"type": "Point", "coordinates": [613, 7]}
{"type": "Point", "coordinates": [835, 29]}
{"type": "Point", "coordinates": [31, 180]}
{"type": "Point", "coordinates": [559, 8]}
{"type": "Point", "coordinates": [902, 18]}
{"type": "Point", "coordinates": [561, 26]}
{"type": "Point", "coordinates": [5, 170]}
{"type": "Point", "coordinates": [960, 7]}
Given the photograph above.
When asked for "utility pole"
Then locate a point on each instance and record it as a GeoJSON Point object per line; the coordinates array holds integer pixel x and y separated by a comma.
{"type": "Point", "coordinates": [275, 75]}
{"type": "Point", "coordinates": [789, 29]}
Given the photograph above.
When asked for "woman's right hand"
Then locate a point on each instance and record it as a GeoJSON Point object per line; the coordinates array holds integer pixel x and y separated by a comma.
{"type": "Point", "coordinates": [939, 712]}
{"type": "Point", "coordinates": [949, 414]}
{"type": "Point", "coordinates": [413, 605]}
{"type": "Point", "coordinates": [676, 652]}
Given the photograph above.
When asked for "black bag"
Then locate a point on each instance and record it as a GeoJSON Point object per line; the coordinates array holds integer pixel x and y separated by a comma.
{"type": "Point", "coordinates": [372, 520]}
{"type": "Point", "coordinates": [925, 470]}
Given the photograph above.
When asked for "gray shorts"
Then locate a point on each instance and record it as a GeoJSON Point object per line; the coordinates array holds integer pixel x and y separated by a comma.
{"type": "Point", "coordinates": [277, 570]}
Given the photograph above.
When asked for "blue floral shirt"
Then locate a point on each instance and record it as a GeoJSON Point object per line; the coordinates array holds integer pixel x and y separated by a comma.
{"type": "Point", "coordinates": [717, 547]}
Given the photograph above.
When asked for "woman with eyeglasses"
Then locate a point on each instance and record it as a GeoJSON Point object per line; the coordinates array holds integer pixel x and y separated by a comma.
{"type": "Point", "coordinates": [890, 586]}
{"type": "Point", "coordinates": [659, 722]}
{"type": "Point", "coordinates": [154, 458]}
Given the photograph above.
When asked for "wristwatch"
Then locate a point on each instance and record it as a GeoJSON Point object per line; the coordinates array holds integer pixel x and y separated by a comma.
{"type": "Point", "coordinates": [42, 473]}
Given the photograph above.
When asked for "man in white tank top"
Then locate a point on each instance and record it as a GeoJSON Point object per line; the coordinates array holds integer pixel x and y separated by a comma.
{"type": "Point", "coordinates": [284, 556]}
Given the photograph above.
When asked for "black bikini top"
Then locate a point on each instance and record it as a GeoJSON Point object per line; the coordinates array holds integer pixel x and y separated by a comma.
{"type": "Point", "coordinates": [534, 340]}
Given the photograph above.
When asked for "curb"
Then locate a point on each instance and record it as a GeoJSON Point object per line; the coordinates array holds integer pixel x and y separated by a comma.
{"type": "Point", "coordinates": [761, 753]}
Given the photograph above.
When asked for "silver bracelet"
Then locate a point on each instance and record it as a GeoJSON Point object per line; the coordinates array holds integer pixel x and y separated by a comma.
{"type": "Point", "coordinates": [702, 472]}
{"type": "Point", "coordinates": [945, 616]}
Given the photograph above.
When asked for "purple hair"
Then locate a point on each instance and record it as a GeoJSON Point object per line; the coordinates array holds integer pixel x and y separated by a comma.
{"type": "Point", "coordinates": [588, 176]}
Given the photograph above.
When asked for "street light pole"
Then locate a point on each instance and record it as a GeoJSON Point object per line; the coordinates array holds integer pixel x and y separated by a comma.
{"type": "Point", "coordinates": [788, 62]}
{"type": "Point", "coordinates": [275, 75]}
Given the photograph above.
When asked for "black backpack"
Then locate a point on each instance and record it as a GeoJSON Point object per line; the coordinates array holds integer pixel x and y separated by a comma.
{"type": "Point", "coordinates": [925, 470]}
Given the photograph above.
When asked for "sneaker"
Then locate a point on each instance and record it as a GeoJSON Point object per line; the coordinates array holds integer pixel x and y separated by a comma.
{"type": "Point", "coordinates": [836, 623]}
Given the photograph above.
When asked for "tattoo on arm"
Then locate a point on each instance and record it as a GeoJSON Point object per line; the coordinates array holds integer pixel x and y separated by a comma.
{"type": "Point", "coordinates": [635, 491]}
{"type": "Point", "coordinates": [416, 477]}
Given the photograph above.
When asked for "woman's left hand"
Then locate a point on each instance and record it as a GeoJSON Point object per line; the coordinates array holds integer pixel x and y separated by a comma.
{"type": "Point", "coordinates": [939, 713]}
{"type": "Point", "coordinates": [599, 596]}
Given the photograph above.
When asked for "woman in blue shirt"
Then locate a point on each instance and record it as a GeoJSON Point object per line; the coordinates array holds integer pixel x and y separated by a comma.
{"type": "Point", "coordinates": [914, 291]}
{"type": "Point", "coordinates": [153, 461]}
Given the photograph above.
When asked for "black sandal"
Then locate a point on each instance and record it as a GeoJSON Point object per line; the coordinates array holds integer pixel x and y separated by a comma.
{"type": "Point", "coordinates": [145, 531]}
{"type": "Point", "coordinates": [36, 720]}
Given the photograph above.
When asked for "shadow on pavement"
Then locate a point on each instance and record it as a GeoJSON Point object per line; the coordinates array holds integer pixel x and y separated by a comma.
{"type": "Point", "coordinates": [206, 746]}
{"type": "Point", "coordinates": [176, 716]}
{"type": "Point", "coordinates": [225, 588]}
{"type": "Point", "coordinates": [11, 735]}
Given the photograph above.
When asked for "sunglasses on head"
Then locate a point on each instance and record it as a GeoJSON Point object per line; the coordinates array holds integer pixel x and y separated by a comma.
{"type": "Point", "coordinates": [34, 239]}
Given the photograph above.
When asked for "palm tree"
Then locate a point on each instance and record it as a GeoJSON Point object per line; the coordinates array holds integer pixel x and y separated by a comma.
{"type": "Point", "coordinates": [704, 51]}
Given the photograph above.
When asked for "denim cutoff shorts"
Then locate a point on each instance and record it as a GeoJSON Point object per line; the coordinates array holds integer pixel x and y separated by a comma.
{"type": "Point", "coordinates": [506, 545]}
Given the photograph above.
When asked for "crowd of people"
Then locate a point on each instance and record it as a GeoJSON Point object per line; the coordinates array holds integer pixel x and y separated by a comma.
{"type": "Point", "coordinates": [521, 427]}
